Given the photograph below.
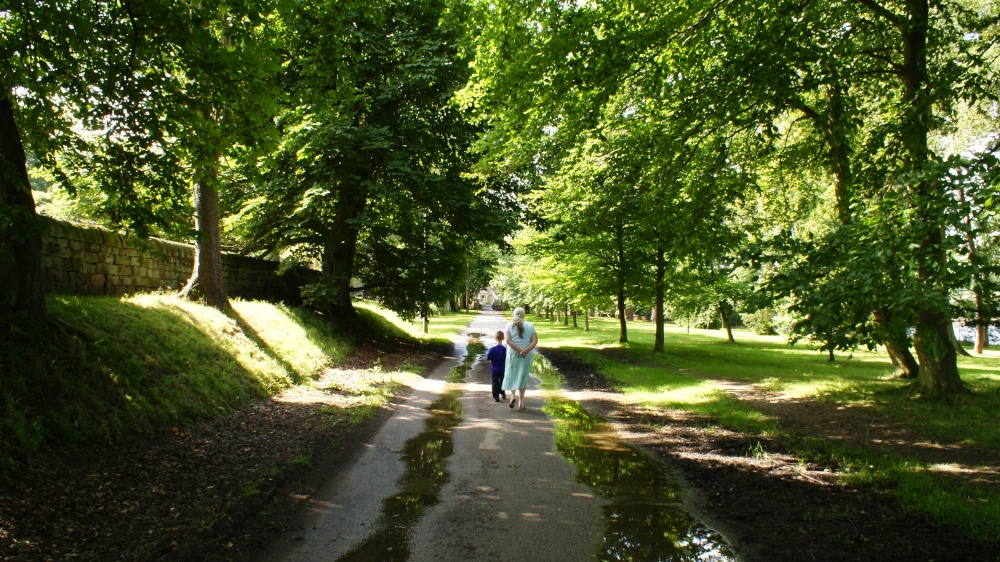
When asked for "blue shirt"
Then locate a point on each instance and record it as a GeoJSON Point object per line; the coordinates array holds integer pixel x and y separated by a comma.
{"type": "Point", "coordinates": [497, 354]}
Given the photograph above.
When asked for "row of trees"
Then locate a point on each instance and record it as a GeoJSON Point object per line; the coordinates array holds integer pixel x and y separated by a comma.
{"type": "Point", "coordinates": [834, 158]}
{"type": "Point", "coordinates": [325, 132]}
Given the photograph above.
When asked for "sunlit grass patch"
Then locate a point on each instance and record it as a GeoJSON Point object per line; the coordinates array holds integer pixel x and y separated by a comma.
{"type": "Point", "coordinates": [388, 316]}
{"type": "Point", "coordinates": [445, 325]}
{"type": "Point", "coordinates": [673, 395]}
{"type": "Point", "coordinates": [296, 337]}
{"type": "Point", "coordinates": [98, 369]}
{"type": "Point", "coordinates": [682, 378]}
{"type": "Point", "coordinates": [220, 332]}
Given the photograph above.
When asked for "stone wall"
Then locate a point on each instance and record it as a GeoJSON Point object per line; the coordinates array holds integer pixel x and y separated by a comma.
{"type": "Point", "coordinates": [93, 261]}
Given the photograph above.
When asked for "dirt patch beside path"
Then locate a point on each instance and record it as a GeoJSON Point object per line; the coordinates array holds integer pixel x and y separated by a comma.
{"type": "Point", "coordinates": [770, 504]}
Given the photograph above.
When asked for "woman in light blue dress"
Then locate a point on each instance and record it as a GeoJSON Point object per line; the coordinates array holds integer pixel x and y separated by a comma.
{"type": "Point", "coordinates": [520, 339]}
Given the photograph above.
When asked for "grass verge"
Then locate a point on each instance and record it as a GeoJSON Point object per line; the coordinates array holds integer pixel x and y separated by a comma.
{"type": "Point", "coordinates": [100, 369]}
{"type": "Point", "coordinates": [682, 379]}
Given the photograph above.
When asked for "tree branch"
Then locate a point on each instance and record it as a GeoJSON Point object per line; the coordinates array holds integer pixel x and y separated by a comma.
{"type": "Point", "coordinates": [878, 10]}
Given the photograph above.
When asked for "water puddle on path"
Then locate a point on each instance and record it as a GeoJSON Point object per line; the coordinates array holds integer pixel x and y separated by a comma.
{"type": "Point", "coordinates": [426, 458]}
{"type": "Point", "coordinates": [474, 349]}
{"type": "Point", "coordinates": [643, 515]}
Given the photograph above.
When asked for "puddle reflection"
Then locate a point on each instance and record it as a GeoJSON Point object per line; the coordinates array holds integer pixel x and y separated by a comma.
{"type": "Point", "coordinates": [474, 351]}
{"type": "Point", "coordinates": [426, 457]}
{"type": "Point", "coordinates": [644, 518]}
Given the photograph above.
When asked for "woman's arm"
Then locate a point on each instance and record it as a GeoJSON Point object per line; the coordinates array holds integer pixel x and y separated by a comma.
{"type": "Point", "coordinates": [509, 342]}
{"type": "Point", "coordinates": [534, 341]}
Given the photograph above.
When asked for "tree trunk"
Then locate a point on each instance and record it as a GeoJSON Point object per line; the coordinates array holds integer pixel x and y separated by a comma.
{"type": "Point", "coordinates": [938, 374]}
{"type": "Point", "coordinates": [938, 361]}
{"type": "Point", "coordinates": [566, 315]}
{"type": "Point", "coordinates": [903, 363]}
{"type": "Point", "coordinates": [586, 321]}
{"type": "Point", "coordinates": [574, 318]}
{"type": "Point", "coordinates": [620, 270]}
{"type": "Point", "coordinates": [725, 323]}
{"type": "Point", "coordinates": [661, 270]}
{"type": "Point", "coordinates": [896, 345]}
{"type": "Point", "coordinates": [954, 341]}
{"type": "Point", "coordinates": [982, 338]}
{"type": "Point", "coordinates": [830, 123]}
{"type": "Point", "coordinates": [206, 280]}
{"type": "Point", "coordinates": [21, 283]}
{"type": "Point", "coordinates": [982, 332]}
{"type": "Point", "coordinates": [622, 327]}
{"type": "Point", "coordinates": [340, 248]}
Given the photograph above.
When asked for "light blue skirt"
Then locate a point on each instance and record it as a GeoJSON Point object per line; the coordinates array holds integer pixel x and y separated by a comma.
{"type": "Point", "coordinates": [517, 370]}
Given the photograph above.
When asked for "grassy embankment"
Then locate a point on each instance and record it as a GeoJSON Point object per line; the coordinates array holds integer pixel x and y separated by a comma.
{"type": "Point", "coordinates": [858, 381]}
{"type": "Point", "coordinates": [103, 369]}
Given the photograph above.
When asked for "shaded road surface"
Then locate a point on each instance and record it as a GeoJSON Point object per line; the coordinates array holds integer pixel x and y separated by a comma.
{"type": "Point", "coordinates": [453, 475]}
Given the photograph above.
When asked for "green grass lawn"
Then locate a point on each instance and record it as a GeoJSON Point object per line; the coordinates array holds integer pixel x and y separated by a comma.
{"type": "Point", "coordinates": [858, 379]}
{"type": "Point", "coordinates": [678, 379]}
{"type": "Point", "coordinates": [443, 326]}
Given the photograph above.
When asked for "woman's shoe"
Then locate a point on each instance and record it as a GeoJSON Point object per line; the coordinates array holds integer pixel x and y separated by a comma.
{"type": "Point", "coordinates": [521, 407]}
{"type": "Point", "coordinates": [512, 400]}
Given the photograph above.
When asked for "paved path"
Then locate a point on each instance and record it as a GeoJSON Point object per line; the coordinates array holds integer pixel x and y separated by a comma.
{"type": "Point", "coordinates": [506, 496]}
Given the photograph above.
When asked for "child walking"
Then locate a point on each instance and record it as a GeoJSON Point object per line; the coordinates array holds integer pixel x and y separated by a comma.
{"type": "Point", "coordinates": [497, 356]}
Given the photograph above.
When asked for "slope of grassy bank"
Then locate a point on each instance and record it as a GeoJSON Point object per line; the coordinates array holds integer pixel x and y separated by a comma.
{"type": "Point", "coordinates": [686, 377]}
{"type": "Point", "coordinates": [101, 369]}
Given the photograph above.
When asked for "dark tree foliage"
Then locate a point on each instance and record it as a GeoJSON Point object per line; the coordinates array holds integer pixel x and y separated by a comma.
{"type": "Point", "coordinates": [371, 178]}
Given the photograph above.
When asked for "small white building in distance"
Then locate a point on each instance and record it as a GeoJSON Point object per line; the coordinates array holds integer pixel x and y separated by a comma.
{"type": "Point", "coordinates": [486, 298]}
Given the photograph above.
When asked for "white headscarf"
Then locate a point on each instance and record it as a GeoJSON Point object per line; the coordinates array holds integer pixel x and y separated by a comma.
{"type": "Point", "coordinates": [518, 321]}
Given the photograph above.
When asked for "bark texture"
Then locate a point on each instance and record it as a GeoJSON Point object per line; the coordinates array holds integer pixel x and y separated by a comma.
{"type": "Point", "coordinates": [982, 339]}
{"type": "Point", "coordinates": [661, 270]}
{"type": "Point", "coordinates": [341, 245]}
{"type": "Point", "coordinates": [207, 280]}
{"type": "Point", "coordinates": [21, 285]}
{"type": "Point", "coordinates": [896, 345]}
{"type": "Point", "coordinates": [725, 322]}
{"type": "Point", "coordinates": [938, 374]}
{"type": "Point", "coordinates": [959, 349]}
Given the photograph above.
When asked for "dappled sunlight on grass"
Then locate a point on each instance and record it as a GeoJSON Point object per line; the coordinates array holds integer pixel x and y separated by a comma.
{"type": "Point", "coordinates": [792, 372]}
{"type": "Point", "coordinates": [225, 334]}
{"type": "Point", "coordinates": [670, 396]}
{"type": "Point", "coordinates": [810, 389]}
{"type": "Point", "coordinates": [763, 386]}
{"type": "Point", "coordinates": [391, 317]}
{"type": "Point", "coordinates": [289, 337]}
